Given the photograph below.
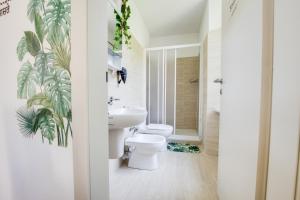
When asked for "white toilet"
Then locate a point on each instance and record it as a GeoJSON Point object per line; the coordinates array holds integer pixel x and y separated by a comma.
{"type": "Point", "coordinates": [144, 149]}
{"type": "Point", "coordinates": [157, 129]}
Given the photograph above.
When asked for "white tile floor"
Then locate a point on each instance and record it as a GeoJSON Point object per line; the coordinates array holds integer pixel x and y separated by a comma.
{"type": "Point", "coordinates": [181, 176]}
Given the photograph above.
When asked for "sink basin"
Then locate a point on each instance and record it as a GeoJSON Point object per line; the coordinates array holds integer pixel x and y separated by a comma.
{"type": "Point", "coordinates": [118, 120]}
{"type": "Point", "coordinates": [126, 117]}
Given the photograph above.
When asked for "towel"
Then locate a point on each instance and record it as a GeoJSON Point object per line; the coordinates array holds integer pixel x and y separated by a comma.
{"type": "Point", "coordinates": [123, 74]}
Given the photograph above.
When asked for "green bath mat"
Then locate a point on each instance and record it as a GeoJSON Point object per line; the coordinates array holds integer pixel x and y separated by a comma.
{"type": "Point", "coordinates": [186, 148]}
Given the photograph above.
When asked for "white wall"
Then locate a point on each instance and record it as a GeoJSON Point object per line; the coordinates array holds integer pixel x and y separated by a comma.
{"type": "Point", "coordinates": [204, 27]}
{"type": "Point", "coordinates": [172, 40]}
{"type": "Point", "coordinates": [212, 18]}
{"type": "Point", "coordinates": [213, 70]}
{"type": "Point", "coordinates": [29, 169]}
{"type": "Point", "coordinates": [215, 14]}
{"type": "Point", "coordinates": [240, 104]}
{"type": "Point", "coordinates": [138, 26]}
{"type": "Point", "coordinates": [211, 105]}
{"type": "Point", "coordinates": [210, 29]}
{"type": "Point", "coordinates": [133, 93]}
{"type": "Point", "coordinates": [286, 102]}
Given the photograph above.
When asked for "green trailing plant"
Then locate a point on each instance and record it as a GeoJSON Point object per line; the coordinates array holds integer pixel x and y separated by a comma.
{"type": "Point", "coordinates": [122, 30]}
{"type": "Point", "coordinates": [44, 79]}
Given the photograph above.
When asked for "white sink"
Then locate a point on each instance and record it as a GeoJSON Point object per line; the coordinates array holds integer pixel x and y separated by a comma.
{"type": "Point", "coordinates": [118, 120]}
{"type": "Point", "coordinates": [126, 117]}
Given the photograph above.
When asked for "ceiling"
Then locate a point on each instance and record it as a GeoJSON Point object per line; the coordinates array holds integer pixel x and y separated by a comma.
{"type": "Point", "coordinates": [171, 17]}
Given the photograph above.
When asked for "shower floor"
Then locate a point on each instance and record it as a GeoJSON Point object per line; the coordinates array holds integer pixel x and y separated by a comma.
{"type": "Point", "coordinates": [188, 132]}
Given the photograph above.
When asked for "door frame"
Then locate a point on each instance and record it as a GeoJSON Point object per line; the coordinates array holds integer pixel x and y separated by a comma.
{"type": "Point", "coordinates": [266, 100]}
{"type": "Point", "coordinates": [89, 95]}
{"type": "Point", "coordinates": [297, 184]}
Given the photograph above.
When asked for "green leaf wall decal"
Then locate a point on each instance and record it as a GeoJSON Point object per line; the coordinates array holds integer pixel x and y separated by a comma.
{"type": "Point", "coordinates": [27, 122]}
{"type": "Point", "coordinates": [34, 8]}
{"type": "Point", "coordinates": [22, 48]}
{"type": "Point", "coordinates": [58, 18]}
{"type": "Point", "coordinates": [39, 100]}
{"type": "Point", "coordinates": [26, 81]}
{"type": "Point", "coordinates": [46, 84]}
{"type": "Point", "coordinates": [33, 44]}
{"type": "Point", "coordinates": [58, 88]}
{"type": "Point", "coordinates": [46, 123]}
{"type": "Point", "coordinates": [39, 28]}
{"type": "Point", "coordinates": [62, 53]}
{"type": "Point", "coordinates": [43, 62]}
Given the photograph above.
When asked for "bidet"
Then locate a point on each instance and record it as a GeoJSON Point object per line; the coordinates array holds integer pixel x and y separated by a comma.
{"type": "Point", "coordinates": [119, 119]}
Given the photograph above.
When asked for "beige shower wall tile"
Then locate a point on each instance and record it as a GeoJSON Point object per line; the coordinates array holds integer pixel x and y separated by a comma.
{"type": "Point", "coordinates": [187, 93]}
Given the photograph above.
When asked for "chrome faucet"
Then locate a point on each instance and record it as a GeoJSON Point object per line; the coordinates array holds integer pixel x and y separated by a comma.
{"type": "Point", "coordinates": [134, 130]}
{"type": "Point", "coordinates": [111, 100]}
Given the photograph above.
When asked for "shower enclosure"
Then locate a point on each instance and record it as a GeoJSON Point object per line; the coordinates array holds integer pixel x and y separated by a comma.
{"type": "Point", "coordinates": [173, 87]}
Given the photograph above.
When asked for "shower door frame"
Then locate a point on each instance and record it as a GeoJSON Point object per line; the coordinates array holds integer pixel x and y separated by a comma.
{"type": "Point", "coordinates": [164, 50]}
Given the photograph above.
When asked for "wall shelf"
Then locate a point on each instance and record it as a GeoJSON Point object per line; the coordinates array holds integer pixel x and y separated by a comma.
{"type": "Point", "coordinates": [114, 60]}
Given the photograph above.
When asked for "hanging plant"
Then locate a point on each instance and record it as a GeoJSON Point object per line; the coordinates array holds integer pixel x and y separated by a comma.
{"type": "Point", "coordinates": [44, 79]}
{"type": "Point", "coordinates": [122, 27]}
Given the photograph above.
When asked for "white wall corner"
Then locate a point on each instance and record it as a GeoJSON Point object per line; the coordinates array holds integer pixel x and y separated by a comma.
{"type": "Point", "coordinates": [204, 27]}
{"type": "Point", "coordinates": [211, 19]}
{"type": "Point", "coordinates": [138, 26]}
{"type": "Point", "coordinates": [173, 40]}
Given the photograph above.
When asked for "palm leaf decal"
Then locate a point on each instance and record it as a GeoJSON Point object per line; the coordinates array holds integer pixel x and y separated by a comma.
{"type": "Point", "coordinates": [58, 88]}
{"type": "Point", "coordinates": [26, 81]}
{"type": "Point", "coordinates": [27, 122]}
{"type": "Point", "coordinates": [58, 18]}
{"type": "Point", "coordinates": [62, 55]}
{"type": "Point", "coordinates": [61, 51]}
{"type": "Point", "coordinates": [34, 8]}
{"type": "Point", "coordinates": [43, 62]}
{"type": "Point", "coordinates": [22, 48]}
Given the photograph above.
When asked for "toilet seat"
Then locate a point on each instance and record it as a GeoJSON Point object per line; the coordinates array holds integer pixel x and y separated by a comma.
{"type": "Point", "coordinates": [157, 129]}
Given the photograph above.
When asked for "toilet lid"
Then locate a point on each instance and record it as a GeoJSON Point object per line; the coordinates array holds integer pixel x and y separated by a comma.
{"type": "Point", "coordinates": [158, 129]}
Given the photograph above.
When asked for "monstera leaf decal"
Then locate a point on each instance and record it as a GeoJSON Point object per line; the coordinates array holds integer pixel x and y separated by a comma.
{"type": "Point", "coordinates": [45, 79]}
{"type": "Point", "coordinates": [26, 81]}
{"type": "Point", "coordinates": [58, 18]}
{"type": "Point", "coordinates": [46, 123]}
{"type": "Point", "coordinates": [58, 89]}
{"type": "Point", "coordinates": [22, 48]}
{"type": "Point", "coordinates": [43, 63]}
